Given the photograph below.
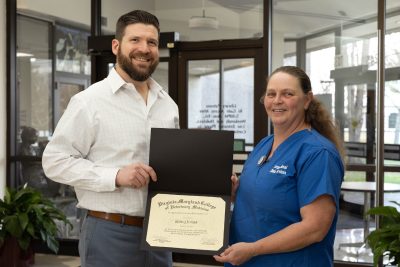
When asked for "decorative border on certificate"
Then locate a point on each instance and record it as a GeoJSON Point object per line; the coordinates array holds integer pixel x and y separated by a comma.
{"type": "Point", "coordinates": [184, 223]}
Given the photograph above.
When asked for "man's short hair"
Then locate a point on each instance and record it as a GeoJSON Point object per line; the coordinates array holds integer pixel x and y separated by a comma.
{"type": "Point", "coordinates": [135, 16]}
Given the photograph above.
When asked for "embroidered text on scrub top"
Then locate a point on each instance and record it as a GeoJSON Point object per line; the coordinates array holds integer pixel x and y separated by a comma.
{"type": "Point", "coordinates": [279, 169]}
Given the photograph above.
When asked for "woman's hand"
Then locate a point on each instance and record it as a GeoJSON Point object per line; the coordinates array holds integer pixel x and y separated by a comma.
{"type": "Point", "coordinates": [235, 185]}
{"type": "Point", "coordinates": [237, 253]}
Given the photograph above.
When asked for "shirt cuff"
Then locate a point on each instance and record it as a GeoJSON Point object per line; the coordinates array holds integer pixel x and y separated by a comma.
{"type": "Point", "coordinates": [110, 175]}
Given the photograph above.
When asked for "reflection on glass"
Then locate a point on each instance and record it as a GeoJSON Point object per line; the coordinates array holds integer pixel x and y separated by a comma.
{"type": "Point", "coordinates": [34, 75]}
{"type": "Point", "coordinates": [31, 169]}
{"type": "Point", "coordinates": [237, 98]}
{"type": "Point", "coordinates": [392, 96]}
{"type": "Point", "coordinates": [220, 96]}
{"type": "Point", "coordinates": [337, 47]}
{"type": "Point", "coordinates": [71, 50]}
{"type": "Point", "coordinates": [63, 95]}
{"type": "Point", "coordinates": [204, 94]}
{"type": "Point", "coordinates": [392, 112]}
{"type": "Point", "coordinates": [35, 113]}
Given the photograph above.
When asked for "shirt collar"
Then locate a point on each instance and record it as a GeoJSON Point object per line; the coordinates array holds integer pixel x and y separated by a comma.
{"type": "Point", "coordinates": [116, 83]}
{"type": "Point", "coordinates": [156, 88]}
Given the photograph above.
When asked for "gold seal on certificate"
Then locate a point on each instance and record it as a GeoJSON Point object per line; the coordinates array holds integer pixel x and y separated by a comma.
{"type": "Point", "coordinates": [186, 222]}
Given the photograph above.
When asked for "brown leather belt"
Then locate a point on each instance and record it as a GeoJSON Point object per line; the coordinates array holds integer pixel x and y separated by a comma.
{"type": "Point", "coordinates": [117, 218]}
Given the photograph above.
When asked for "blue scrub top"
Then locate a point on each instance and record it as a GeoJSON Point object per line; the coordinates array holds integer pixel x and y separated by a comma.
{"type": "Point", "coordinates": [304, 167]}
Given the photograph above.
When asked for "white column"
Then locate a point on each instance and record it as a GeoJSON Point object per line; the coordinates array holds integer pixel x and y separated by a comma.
{"type": "Point", "coordinates": [277, 49]}
{"type": "Point", "coordinates": [3, 109]}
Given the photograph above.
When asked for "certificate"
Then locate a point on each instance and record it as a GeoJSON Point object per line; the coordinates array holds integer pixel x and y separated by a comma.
{"type": "Point", "coordinates": [186, 222]}
{"type": "Point", "coordinates": [188, 208]}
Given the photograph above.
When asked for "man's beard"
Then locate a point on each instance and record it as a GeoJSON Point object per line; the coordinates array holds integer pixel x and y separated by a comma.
{"type": "Point", "coordinates": [137, 75]}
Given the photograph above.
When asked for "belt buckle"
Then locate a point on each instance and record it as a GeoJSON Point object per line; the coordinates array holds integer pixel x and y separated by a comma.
{"type": "Point", "coordinates": [122, 219]}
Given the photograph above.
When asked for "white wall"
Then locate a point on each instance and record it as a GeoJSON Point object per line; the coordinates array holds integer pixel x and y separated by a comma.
{"type": "Point", "coordinates": [71, 10]}
{"type": "Point", "coordinates": [3, 109]}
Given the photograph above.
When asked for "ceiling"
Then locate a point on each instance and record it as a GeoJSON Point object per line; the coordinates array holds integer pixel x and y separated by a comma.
{"type": "Point", "coordinates": [237, 18]}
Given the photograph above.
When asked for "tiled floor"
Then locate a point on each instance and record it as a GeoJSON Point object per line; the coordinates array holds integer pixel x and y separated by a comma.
{"type": "Point", "coordinates": [357, 253]}
{"type": "Point", "coordinates": [349, 246]}
{"type": "Point", "coordinates": [344, 253]}
{"type": "Point", "coordinates": [46, 260]}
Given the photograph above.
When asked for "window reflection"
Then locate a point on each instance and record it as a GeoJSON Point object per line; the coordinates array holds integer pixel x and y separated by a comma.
{"type": "Point", "coordinates": [71, 50]}
{"type": "Point", "coordinates": [36, 98]}
{"type": "Point", "coordinates": [34, 63]}
{"type": "Point", "coordinates": [220, 96]}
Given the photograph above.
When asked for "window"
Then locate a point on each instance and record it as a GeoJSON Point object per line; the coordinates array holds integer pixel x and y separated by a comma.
{"type": "Point", "coordinates": [40, 104]}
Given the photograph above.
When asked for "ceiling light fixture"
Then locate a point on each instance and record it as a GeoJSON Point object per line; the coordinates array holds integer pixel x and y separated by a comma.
{"type": "Point", "coordinates": [203, 22]}
{"type": "Point", "coordinates": [23, 54]}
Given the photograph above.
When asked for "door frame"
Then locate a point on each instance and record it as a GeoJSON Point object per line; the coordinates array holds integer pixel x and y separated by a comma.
{"type": "Point", "coordinates": [224, 49]}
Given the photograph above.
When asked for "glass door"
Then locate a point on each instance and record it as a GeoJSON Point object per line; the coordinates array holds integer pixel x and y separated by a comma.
{"type": "Point", "coordinates": [219, 91]}
{"type": "Point", "coordinates": [220, 96]}
{"type": "Point", "coordinates": [337, 44]}
{"type": "Point", "coordinates": [391, 169]}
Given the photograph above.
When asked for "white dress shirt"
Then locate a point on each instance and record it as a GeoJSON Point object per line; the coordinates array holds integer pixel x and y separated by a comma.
{"type": "Point", "coordinates": [104, 128]}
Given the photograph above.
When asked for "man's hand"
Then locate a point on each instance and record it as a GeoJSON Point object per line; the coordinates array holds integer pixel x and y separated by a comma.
{"type": "Point", "coordinates": [135, 175]}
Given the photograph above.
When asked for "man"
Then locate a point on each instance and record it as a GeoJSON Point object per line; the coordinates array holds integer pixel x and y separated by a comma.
{"type": "Point", "coordinates": [101, 147]}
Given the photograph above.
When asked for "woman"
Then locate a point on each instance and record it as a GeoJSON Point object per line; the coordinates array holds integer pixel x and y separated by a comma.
{"type": "Point", "coordinates": [286, 206]}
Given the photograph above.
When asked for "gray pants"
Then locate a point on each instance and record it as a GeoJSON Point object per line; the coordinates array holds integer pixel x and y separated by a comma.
{"type": "Point", "coordinates": [108, 244]}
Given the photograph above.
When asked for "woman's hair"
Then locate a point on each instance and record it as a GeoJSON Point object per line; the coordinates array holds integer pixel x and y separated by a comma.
{"type": "Point", "coordinates": [316, 115]}
{"type": "Point", "coordinates": [135, 16]}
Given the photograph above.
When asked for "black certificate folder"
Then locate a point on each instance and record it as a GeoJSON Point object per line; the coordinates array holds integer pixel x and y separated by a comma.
{"type": "Point", "coordinates": [188, 208]}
